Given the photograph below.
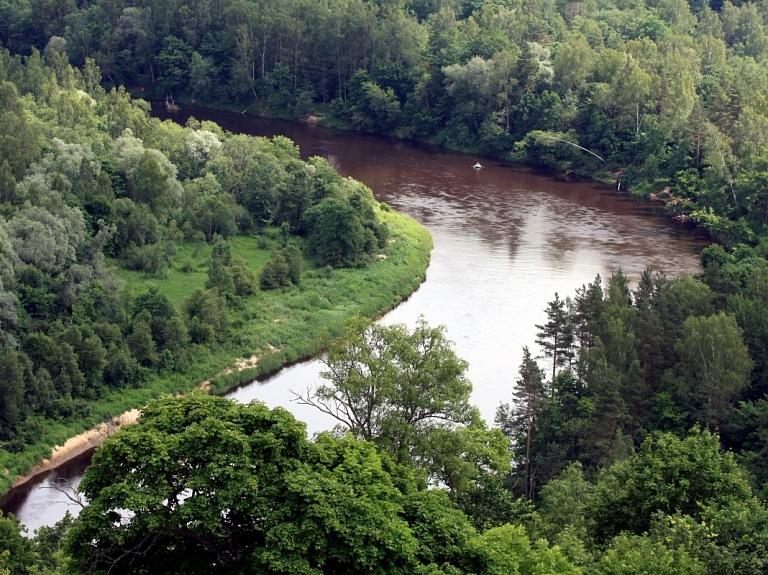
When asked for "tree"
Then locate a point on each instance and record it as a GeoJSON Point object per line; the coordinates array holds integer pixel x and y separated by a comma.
{"type": "Point", "coordinates": [11, 392]}
{"type": "Point", "coordinates": [173, 62]}
{"type": "Point", "coordinates": [714, 366]}
{"type": "Point", "coordinates": [150, 183]}
{"type": "Point", "coordinates": [200, 76]}
{"type": "Point", "coordinates": [752, 317]}
{"type": "Point", "coordinates": [392, 386]}
{"type": "Point", "coordinates": [201, 147]}
{"type": "Point", "coordinates": [141, 343]}
{"type": "Point", "coordinates": [337, 237]}
{"type": "Point", "coordinates": [589, 305]}
{"type": "Point", "coordinates": [529, 395]}
{"type": "Point", "coordinates": [666, 475]}
{"type": "Point", "coordinates": [19, 549]}
{"type": "Point", "coordinates": [372, 107]}
{"type": "Point", "coordinates": [635, 555]}
{"type": "Point", "coordinates": [207, 315]}
{"type": "Point", "coordinates": [507, 549]}
{"type": "Point", "coordinates": [47, 240]}
{"type": "Point", "coordinates": [566, 502]}
{"type": "Point", "coordinates": [275, 273]}
{"type": "Point", "coordinates": [7, 184]}
{"type": "Point", "coordinates": [282, 269]}
{"type": "Point", "coordinates": [209, 210]}
{"type": "Point", "coordinates": [295, 261]}
{"type": "Point", "coordinates": [470, 85]}
{"type": "Point", "coordinates": [206, 485]}
{"type": "Point", "coordinates": [219, 276]}
{"type": "Point", "coordinates": [556, 336]}
{"type": "Point", "coordinates": [573, 62]}
{"type": "Point", "coordinates": [243, 279]}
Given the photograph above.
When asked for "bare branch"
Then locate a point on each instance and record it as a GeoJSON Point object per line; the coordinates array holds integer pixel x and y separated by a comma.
{"type": "Point", "coordinates": [63, 486]}
{"type": "Point", "coordinates": [575, 146]}
{"type": "Point", "coordinates": [311, 399]}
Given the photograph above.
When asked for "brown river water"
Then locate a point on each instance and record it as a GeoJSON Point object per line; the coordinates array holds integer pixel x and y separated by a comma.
{"type": "Point", "coordinates": [505, 240]}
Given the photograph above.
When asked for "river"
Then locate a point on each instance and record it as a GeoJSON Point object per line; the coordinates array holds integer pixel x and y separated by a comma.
{"type": "Point", "coordinates": [505, 240]}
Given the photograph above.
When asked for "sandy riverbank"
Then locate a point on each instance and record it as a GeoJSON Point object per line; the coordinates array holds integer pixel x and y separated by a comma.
{"type": "Point", "coordinates": [79, 444]}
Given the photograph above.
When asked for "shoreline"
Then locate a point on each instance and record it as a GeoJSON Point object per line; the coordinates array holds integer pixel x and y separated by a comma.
{"type": "Point", "coordinates": [242, 369]}
{"type": "Point", "coordinates": [76, 446]}
{"type": "Point", "coordinates": [92, 438]}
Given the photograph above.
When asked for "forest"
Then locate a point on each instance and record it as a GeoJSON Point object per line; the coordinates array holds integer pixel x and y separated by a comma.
{"type": "Point", "coordinates": [666, 95]}
{"type": "Point", "coordinates": [141, 257]}
{"type": "Point", "coordinates": [636, 440]}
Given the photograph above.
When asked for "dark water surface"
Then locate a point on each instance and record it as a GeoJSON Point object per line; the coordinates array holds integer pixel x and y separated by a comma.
{"type": "Point", "coordinates": [505, 241]}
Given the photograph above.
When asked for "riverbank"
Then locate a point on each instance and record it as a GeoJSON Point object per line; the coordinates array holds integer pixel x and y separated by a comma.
{"type": "Point", "coordinates": [610, 179]}
{"type": "Point", "coordinates": [79, 444]}
{"type": "Point", "coordinates": [278, 328]}
{"type": "Point", "coordinates": [92, 438]}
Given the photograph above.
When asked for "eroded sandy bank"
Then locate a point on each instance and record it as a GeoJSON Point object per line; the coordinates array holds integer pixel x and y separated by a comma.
{"type": "Point", "coordinates": [79, 444]}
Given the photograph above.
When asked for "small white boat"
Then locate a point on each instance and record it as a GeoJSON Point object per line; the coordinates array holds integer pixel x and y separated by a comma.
{"type": "Point", "coordinates": [477, 166]}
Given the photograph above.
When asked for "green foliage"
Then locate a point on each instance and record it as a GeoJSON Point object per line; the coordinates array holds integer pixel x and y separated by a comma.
{"type": "Point", "coordinates": [275, 273]}
{"type": "Point", "coordinates": [19, 548]}
{"type": "Point", "coordinates": [290, 504]}
{"type": "Point", "coordinates": [337, 236]}
{"type": "Point", "coordinates": [507, 549]}
{"type": "Point", "coordinates": [282, 269]}
{"type": "Point", "coordinates": [243, 278]}
{"type": "Point", "coordinates": [632, 554]}
{"type": "Point", "coordinates": [88, 175]}
{"type": "Point", "coordinates": [666, 95]}
{"type": "Point", "coordinates": [406, 392]}
{"type": "Point", "coordinates": [667, 475]}
{"type": "Point", "coordinates": [203, 483]}
{"type": "Point", "coordinates": [207, 315]}
{"type": "Point", "coordinates": [219, 275]}
{"type": "Point", "coordinates": [717, 366]}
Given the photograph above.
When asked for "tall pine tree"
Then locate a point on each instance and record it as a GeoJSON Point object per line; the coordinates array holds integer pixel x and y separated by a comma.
{"type": "Point", "coordinates": [556, 336]}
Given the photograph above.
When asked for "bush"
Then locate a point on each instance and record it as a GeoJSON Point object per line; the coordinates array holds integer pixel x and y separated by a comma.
{"type": "Point", "coordinates": [243, 278]}
{"type": "Point", "coordinates": [276, 273]}
{"type": "Point", "coordinates": [283, 269]}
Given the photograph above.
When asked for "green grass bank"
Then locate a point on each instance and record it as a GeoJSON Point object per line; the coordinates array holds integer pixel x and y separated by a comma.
{"type": "Point", "coordinates": [276, 327]}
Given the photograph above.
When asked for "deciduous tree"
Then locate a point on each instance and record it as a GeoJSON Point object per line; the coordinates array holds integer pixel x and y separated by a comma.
{"type": "Point", "coordinates": [389, 385]}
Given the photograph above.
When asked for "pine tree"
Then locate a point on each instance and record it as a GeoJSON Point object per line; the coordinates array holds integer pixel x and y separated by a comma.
{"type": "Point", "coordinates": [556, 336]}
{"type": "Point", "coordinates": [589, 306]}
{"type": "Point", "coordinates": [518, 422]}
{"type": "Point", "coordinates": [529, 395]}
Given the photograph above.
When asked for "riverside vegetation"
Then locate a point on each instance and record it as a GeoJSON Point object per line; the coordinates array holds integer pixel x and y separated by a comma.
{"type": "Point", "coordinates": [641, 446]}
{"type": "Point", "coordinates": [140, 257]}
{"type": "Point", "coordinates": [667, 95]}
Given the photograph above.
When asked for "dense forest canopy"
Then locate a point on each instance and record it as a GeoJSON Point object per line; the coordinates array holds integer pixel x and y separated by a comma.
{"type": "Point", "coordinates": [636, 438]}
{"type": "Point", "coordinates": [668, 96]}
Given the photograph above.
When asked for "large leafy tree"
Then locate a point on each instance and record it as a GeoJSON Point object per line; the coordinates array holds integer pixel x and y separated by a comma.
{"type": "Point", "coordinates": [667, 475]}
{"type": "Point", "coordinates": [406, 392]}
{"type": "Point", "coordinates": [389, 385]}
{"type": "Point", "coordinates": [337, 238]}
{"type": "Point", "coordinates": [206, 485]}
{"type": "Point", "coordinates": [715, 366]}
